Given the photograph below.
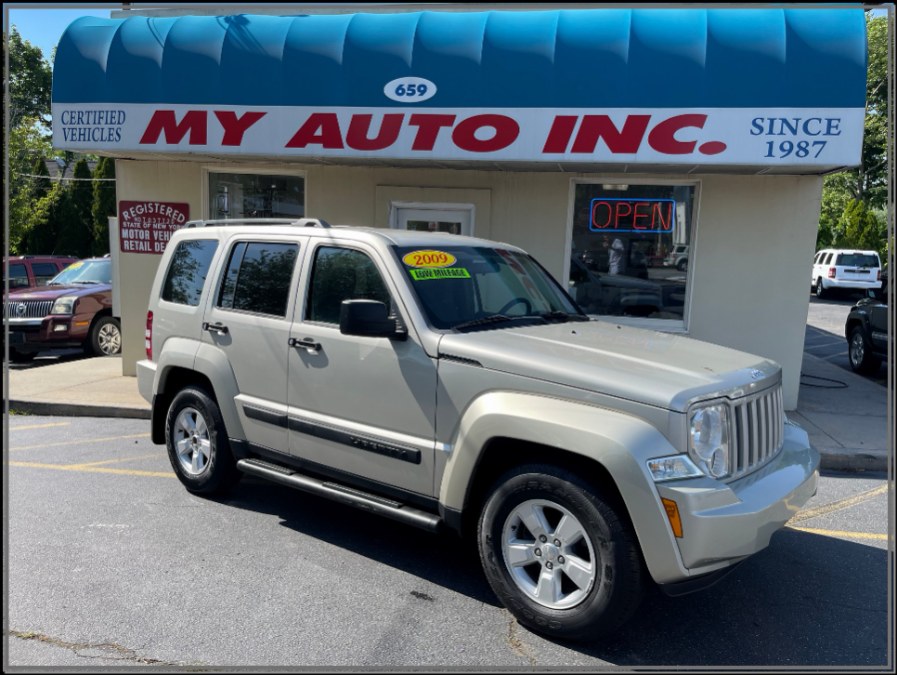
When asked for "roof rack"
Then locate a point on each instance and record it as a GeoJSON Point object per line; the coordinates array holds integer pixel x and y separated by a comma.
{"type": "Point", "coordinates": [300, 222]}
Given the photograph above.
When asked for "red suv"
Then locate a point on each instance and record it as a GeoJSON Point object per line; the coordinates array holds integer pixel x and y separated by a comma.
{"type": "Point", "coordinates": [73, 310]}
{"type": "Point", "coordinates": [27, 271]}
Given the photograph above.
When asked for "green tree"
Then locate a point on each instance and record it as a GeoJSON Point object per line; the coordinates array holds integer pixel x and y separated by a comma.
{"type": "Point", "coordinates": [103, 203]}
{"type": "Point", "coordinates": [27, 146]}
{"type": "Point", "coordinates": [861, 229]}
{"type": "Point", "coordinates": [30, 81]}
{"type": "Point", "coordinates": [41, 232]}
{"type": "Point", "coordinates": [868, 182]}
{"type": "Point", "coordinates": [76, 225]}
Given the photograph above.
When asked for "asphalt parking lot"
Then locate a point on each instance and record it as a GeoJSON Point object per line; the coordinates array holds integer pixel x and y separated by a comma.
{"type": "Point", "coordinates": [825, 335]}
{"type": "Point", "coordinates": [112, 563]}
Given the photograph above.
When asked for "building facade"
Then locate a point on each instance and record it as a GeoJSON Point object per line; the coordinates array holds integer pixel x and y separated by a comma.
{"type": "Point", "coordinates": [665, 164]}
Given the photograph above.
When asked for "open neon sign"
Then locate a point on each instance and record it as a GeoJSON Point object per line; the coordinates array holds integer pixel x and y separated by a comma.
{"type": "Point", "coordinates": [632, 215]}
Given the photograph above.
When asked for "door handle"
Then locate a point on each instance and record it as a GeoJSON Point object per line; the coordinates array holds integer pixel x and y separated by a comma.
{"type": "Point", "coordinates": [305, 343]}
{"type": "Point", "coordinates": [219, 328]}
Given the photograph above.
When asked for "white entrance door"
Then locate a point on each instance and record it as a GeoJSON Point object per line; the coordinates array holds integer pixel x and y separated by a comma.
{"type": "Point", "coordinates": [436, 218]}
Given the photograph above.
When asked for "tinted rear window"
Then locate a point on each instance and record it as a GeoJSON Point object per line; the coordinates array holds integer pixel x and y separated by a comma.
{"type": "Point", "coordinates": [857, 260]}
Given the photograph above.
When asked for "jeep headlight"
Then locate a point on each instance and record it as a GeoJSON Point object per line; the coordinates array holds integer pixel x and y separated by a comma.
{"type": "Point", "coordinates": [708, 439]}
{"type": "Point", "coordinates": [64, 305]}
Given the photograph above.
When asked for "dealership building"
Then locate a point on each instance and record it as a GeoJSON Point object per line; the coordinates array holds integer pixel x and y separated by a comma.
{"type": "Point", "coordinates": [664, 164]}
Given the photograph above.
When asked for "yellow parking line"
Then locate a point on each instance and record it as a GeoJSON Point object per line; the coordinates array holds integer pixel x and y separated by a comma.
{"type": "Point", "coordinates": [40, 426]}
{"type": "Point", "coordinates": [842, 534]}
{"type": "Point", "coordinates": [112, 461]}
{"type": "Point", "coordinates": [83, 469]}
{"type": "Point", "coordinates": [838, 505]}
{"type": "Point", "coordinates": [83, 440]}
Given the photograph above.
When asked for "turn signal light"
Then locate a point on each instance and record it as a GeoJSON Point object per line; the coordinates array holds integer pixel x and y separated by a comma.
{"type": "Point", "coordinates": [673, 516]}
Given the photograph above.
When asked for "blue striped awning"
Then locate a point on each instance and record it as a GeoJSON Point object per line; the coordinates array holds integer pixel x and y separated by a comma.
{"type": "Point", "coordinates": [595, 58]}
{"type": "Point", "coordinates": [755, 88]}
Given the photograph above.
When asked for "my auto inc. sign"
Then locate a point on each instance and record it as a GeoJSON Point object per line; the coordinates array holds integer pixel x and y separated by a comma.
{"type": "Point", "coordinates": [731, 136]}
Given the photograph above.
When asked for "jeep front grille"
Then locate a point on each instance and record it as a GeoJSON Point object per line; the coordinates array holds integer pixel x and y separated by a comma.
{"type": "Point", "coordinates": [33, 309]}
{"type": "Point", "coordinates": [758, 430]}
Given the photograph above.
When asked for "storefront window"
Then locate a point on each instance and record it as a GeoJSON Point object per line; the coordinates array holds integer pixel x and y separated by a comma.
{"type": "Point", "coordinates": [630, 249]}
{"type": "Point", "coordinates": [247, 195]}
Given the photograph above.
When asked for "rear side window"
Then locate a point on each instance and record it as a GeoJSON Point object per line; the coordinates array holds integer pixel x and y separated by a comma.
{"type": "Point", "coordinates": [43, 272]}
{"type": "Point", "coordinates": [188, 270]}
{"type": "Point", "coordinates": [258, 277]}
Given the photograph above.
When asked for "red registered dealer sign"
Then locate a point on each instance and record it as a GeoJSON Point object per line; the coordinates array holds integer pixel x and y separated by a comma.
{"type": "Point", "coordinates": [146, 227]}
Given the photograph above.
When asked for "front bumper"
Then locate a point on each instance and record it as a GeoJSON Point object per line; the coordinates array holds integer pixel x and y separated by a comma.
{"type": "Point", "coordinates": [724, 523]}
{"type": "Point", "coordinates": [52, 332]}
{"type": "Point", "coordinates": [146, 376]}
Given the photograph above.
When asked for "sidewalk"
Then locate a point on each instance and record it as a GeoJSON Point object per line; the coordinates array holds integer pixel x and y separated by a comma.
{"type": "Point", "coordinates": [845, 414]}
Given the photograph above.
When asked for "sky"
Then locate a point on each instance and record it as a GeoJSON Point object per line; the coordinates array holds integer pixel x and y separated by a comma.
{"type": "Point", "coordinates": [43, 25]}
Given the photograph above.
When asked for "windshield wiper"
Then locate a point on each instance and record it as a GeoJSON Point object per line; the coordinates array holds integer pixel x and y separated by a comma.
{"type": "Point", "coordinates": [562, 316]}
{"type": "Point", "coordinates": [494, 318]}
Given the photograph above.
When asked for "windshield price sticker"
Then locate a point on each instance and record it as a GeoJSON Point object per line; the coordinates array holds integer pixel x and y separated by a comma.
{"type": "Point", "coordinates": [429, 259]}
{"type": "Point", "coordinates": [439, 273]}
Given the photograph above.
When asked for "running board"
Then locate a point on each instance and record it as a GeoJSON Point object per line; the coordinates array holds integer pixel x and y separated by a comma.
{"type": "Point", "coordinates": [341, 493]}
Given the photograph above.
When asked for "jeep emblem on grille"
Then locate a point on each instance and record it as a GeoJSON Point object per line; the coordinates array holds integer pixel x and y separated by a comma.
{"type": "Point", "coordinates": [20, 309]}
{"type": "Point", "coordinates": [756, 374]}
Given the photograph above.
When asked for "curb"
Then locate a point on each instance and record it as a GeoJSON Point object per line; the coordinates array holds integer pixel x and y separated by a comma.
{"type": "Point", "coordinates": [77, 410]}
{"type": "Point", "coordinates": [853, 460]}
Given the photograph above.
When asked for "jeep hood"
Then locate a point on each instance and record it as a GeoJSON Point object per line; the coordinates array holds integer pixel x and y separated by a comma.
{"type": "Point", "coordinates": [651, 367]}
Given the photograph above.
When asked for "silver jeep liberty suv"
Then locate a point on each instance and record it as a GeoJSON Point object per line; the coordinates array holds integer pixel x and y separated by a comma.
{"type": "Point", "coordinates": [451, 383]}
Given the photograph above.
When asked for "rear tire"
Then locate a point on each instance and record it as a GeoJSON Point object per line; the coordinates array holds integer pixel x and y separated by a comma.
{"type": "Point", "coordinates": [197, 443]}
{"type": "Point", "coordinates": [820, 290]}
{"type": "Point", "coordinates": [558, 555]}
{"type": "Point", "coordinates": [859, 353]}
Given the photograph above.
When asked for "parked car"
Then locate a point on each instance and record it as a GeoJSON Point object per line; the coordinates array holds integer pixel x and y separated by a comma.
{"type": "Point", "coordinates": [27, 271]}
{"type": "Point", "coordinates": [845, 269]}
{"type": "Point", "coordinates": [866, 330]}
{"type": "Point", "coordinates": [73, 310]}
{"type": "Point", "coordinates": [677, 258]}
{"type": "Point", "coordinates": [451, 383]}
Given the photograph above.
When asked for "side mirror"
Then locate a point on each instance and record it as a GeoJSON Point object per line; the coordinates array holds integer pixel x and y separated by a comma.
{"type": "Point", "coordinates": [367, 318]}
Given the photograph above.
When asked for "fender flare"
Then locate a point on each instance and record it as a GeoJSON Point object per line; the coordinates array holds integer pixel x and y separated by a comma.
{"type": "Point", "coordinates": [621, 443]}
{"type": "Point", "coordinates": [181, 354]}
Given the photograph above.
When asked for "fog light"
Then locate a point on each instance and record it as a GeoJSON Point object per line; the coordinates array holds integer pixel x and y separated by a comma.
{"type": "Point", "coordinates": [59, 327]}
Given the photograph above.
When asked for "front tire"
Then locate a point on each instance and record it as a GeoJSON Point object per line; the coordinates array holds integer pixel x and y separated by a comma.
{"type": "Point", "coordinates": [197, 443]}
{"type": "Point", "coordinates": [861, 358]}
{"type": "Point", "coordinates": [15, 356]}
{"type": "Point", "coordinates": [105, 337]}
{"type": "Point", "coordinates": [558, 555]}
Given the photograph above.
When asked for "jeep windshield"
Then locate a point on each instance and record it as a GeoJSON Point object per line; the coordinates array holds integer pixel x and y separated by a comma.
{"type": "Point", "coordinates": [475, 288]}
{"type": "Point", "coordinates": [84, 272]}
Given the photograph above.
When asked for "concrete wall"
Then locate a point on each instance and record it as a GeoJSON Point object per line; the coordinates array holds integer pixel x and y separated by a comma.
{"type": "Point", "coordinates": [754, 241]}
